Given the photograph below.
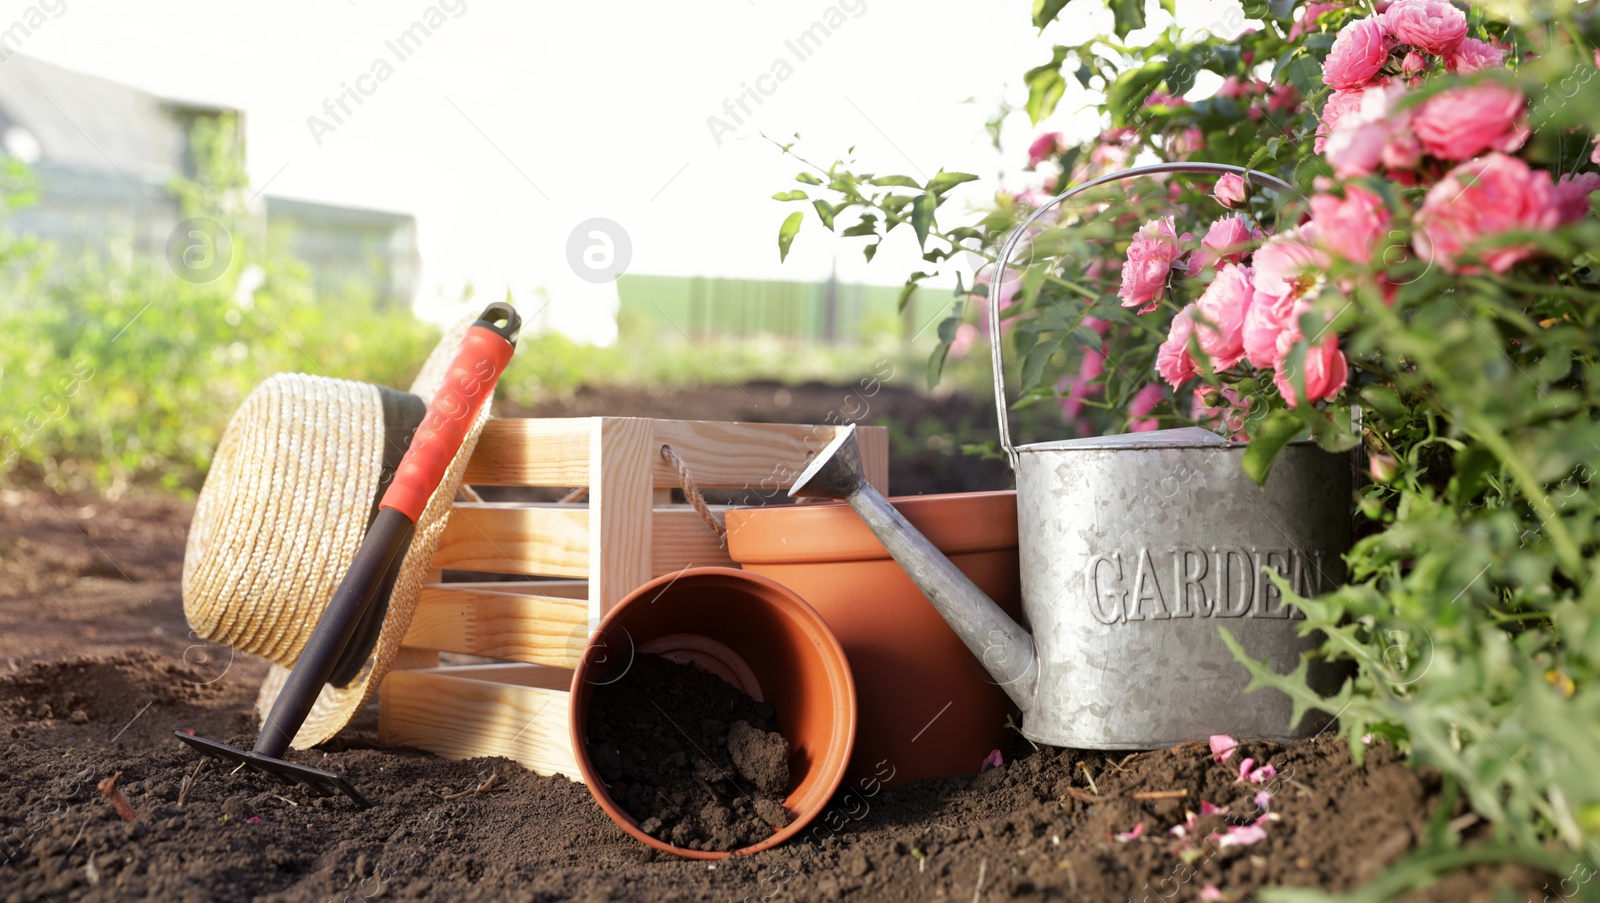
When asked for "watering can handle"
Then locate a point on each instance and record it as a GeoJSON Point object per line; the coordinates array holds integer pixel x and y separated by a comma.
{"type": "Point", "coordinates": [995, 347]}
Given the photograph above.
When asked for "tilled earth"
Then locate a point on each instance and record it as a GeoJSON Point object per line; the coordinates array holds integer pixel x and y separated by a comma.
{"type": "Point", "coordinates": [97, 669]}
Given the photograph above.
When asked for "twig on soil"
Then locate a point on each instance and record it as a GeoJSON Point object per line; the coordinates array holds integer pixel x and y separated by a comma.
{"type": "Point", "coordinates": [190, 780]}
{"type": "Point", "coordinates": [977, 892]}
{"type": "Point", "coordinates": [1089, 777]}
{"type": "Point", "coordinates": [108, 789]}
{"type": "Point", "coordinates": [287, 800]}
{"type": "Point", "coordinates": [478, 789]}
{"type": "Point", "coordinates": [1178, 794]}
{"type": "Point", "coordinates": [81, 828]}
{"type": "Point", "coordinates": [1083, 795]}
{"type": "Point", "coordinates": [1125, 759]}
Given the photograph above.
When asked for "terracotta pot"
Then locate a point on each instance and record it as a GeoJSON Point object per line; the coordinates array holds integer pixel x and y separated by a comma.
{"type": "Point", "coordinates": [927, 706]}
{"type": "Point", "coordinates": [758, 636]}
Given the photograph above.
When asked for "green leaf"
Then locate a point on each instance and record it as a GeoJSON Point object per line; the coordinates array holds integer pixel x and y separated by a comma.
{"type": "Point", "coordinates": [1129, 16]}
{"type": "Point", "coordinates": [900, 181]}
{"type": "Point", "coordinates": [795, 195]}
{"type": "Point", "coordinates": [1280, 9]}
{"type": "Point", "coordinates": [1045, 85]}
{"type": "Point", "coordinates": [1130, 89]}
{"type": "Point", "coordinates": [1384, 400]}
{"type": "Point", "coordinates": [867, 226]}
{"type": "Point", "coordinates": [787, 231]}
{"type": "Point", "coordinates": [1267, 151]}
{"type": "Point", "coordinates": [807, 178]}
{"type": "Point", "coordinates": [922, 216]}
{"type": "Point", "coordinates": [1266, 441]}
{"type": "Point", "coordinates": [944, 181]}
{"type": "Point", "coordinates": [1046, 11]}
{"type": "Point", "coordinates": [825, 212]}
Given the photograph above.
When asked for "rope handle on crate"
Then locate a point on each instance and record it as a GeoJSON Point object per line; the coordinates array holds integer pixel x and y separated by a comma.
{"type": "Point", "coordinates": [692, 495]}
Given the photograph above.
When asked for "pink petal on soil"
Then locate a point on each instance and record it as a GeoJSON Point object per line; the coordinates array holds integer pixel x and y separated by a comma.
{"type": "Point", "coordinates": [1263, 774]}
{"type": "Point", "coordinates": [1240, 836]}
{"type": "Point", "coordinates": [1208, 809]}
{"type": "Point", "coordinates": [1244, 768]}
{"type": "Point", "coordinates": [1210, 892]}
{"type": "Point", "coordinates": [1125, 836]}
{"type": "Point", "coordinates": [1222, 747]}
{"type": "Point", "coordinates": [1263, 799]}
{"type": "Point", "coordinates": [993, 761]}
{"type": "Point", "coordinates": [254, 820]}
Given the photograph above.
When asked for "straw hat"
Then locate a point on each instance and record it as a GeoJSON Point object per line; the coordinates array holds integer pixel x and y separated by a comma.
{"type": "Point", "coordinates": [292, 487]}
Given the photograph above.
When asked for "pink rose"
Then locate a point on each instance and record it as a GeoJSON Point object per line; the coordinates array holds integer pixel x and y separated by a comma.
{"type": "Point", "coordinates": [1163, 99]}
{"type": "Point", "coordinates": [1462, 123]}
{"type": "Point", "coordinates": [1044, 147]}
{"type": "Point", "coordinates": [1290, 265]}
{"type": "Point", "coordinates": [1357, 145]}
{"type": "Point", "coordinates": [1339, 103]}
{"type": "Point", "coordinates": [1570, 197]}
{"type": "Point", "coordinates": [1186, 142]}
{"type": "Point", "coordinates": [1412, 64]}
{"type": "Point", "coordinates": [1480, 199]}
{"type": "Point", "coordinates": [1594, 155]}
{"type": "Point", "coordinates": [1144, 401]}
{"type": "Point", "coordinates": [1008, 295]}
{"type": "Point", "coordinates": [1075, 389]}
{"type": "Point", "coordinates": [1173, 360]}
{"type": "Point", "coordinates": [966, 337]}
{"type": "Point", "coordinates": [1433, 26]}
{"type": "Point", "coordinates": [1230, 190]}
{"type": "Point", "coordinates": [1350, 227]}
{"type": "Point", "coordinates": [1284, 99]}
{"type": "Point", "coordinates": [1229, 238]}
{"type": "Point", "coordinates": [1150, 259]}
{"type": "Point", "coordinates": [1308, 19]}
{"type": "Point", "coordinates": [1325, 374]}
{"type": "Point", "coordinates": [1219, 316]}
{"type": "Point", "coordinates": [1271, 327]}
{"type": "Point", "coordinates": [1475, 56]}
{"type": "Point", "coordinates": [1358, 54]}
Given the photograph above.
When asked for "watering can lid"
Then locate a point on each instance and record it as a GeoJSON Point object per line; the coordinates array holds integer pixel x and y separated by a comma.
{"type": "Point", "coordinates": [1185, 437]}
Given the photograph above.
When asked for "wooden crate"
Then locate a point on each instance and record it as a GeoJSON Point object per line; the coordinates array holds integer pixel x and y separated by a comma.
{"type": "Point", "coordinates": [586, 558]}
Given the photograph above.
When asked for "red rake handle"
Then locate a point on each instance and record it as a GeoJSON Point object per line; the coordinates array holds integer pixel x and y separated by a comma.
{"type": "Point", "coordinates": [484, 354]}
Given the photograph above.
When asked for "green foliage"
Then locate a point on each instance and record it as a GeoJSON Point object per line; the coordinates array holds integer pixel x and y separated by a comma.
{"type": "Point", "coordinates": [1471, 614]}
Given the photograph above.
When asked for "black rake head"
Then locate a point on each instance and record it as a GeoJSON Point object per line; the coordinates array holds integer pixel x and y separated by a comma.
{"type": "Point", "coordinates": [316, 781]}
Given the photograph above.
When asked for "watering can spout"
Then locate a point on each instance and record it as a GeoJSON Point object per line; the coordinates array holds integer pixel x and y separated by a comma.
{"type": "Point", "coordinates": [1001, 644]}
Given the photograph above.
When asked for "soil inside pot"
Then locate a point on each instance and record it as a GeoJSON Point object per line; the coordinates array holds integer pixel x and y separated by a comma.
{"type": "Point", "coordinates": [701, 765]}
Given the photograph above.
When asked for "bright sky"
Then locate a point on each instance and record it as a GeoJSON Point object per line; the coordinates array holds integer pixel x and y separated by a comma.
{"type": "Point", "coordinates": [514, 122]}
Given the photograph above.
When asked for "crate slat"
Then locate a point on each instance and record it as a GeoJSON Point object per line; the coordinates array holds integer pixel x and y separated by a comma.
{"type": "Point", "coordinates": [459, 617]}
{"type": "Point", "coordinates": [499, 538]}
{"type": "Point", "coordinates": [516, 711]}
{"type": "Point", "coordinates": [528, 452]}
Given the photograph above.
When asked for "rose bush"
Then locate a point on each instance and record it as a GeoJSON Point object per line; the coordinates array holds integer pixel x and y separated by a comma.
{"type": "Point", "coordinates": [1429, 300]}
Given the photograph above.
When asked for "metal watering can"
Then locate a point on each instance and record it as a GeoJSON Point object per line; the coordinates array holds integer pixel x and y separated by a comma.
{"type": "Point", "coordinates": [1134, 551]}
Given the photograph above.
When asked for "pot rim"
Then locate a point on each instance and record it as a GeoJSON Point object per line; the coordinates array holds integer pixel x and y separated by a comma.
{"type": "Point", "coordinates": [828, 532]}
{"type": "Point", "coordinates": [833, 660]}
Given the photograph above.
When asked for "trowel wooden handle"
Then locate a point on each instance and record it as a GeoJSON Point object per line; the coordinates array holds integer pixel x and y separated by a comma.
{"type": "Point", "coordinates": [484, 353]}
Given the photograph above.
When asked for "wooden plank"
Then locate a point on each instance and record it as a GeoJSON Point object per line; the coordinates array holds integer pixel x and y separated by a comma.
{"type": "Point", "coordinates": [458, 617]}
{"type": "Point", "coordinates": [620, 453]}
{"type": "Point", "coordinates": [519, 712]}
{"type": "Point", "coordinates": [760, 457]}
{"type": "Point", "coordinates": [564, 589]}
{"type": "Point", "coordinates": [501, 538]}
{"type": "Point", "coordinates": [680, 539]}
{"type": "Point", "coordinates": [874, 442]}
{"type": "Point", "coordinates": [524, 451]}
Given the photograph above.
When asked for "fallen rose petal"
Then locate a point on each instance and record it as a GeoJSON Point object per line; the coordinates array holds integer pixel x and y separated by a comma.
{"type": "Point", "coordinates": [1208, 809]}
{"type": "Point", "coordinates": [1263, 774]}
{"type": "Point", "coordinates": [1210, 892]}
{"type": "Point", "coordinates": [1244, 768]}
{"type": "Point", "coordinates": [1125, 836]}
{"type": "Point", "coordinates": [1222, 747]}
{"type": "Point", "coordinates": [993, 760]}
{"type": "Point", "coordinates": [1240, 836]}
{"type": "Point", "coordinates": [254, 820]}
{"type": "Point", "coordinates": [1263, 799]}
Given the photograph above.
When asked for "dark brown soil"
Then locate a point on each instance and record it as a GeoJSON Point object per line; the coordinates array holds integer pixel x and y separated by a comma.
{"type": "Point", "coordinates": [697, 762]}
{"type": "Point", "coordinates": [97, 668]}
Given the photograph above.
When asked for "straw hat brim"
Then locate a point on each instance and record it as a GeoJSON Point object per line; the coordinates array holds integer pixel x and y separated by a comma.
{"type": "Point", "coordinates": [282, 514]}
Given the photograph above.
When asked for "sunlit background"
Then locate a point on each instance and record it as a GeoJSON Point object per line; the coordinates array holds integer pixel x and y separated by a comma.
{"type": "Point", "coordinates": [475, 136]}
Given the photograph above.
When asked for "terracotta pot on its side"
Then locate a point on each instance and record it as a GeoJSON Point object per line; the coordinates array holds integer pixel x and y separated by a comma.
{"type": "Point", "coordinates": [754, 634]}
{"type": "Point", "coordinates": [927, 707]}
